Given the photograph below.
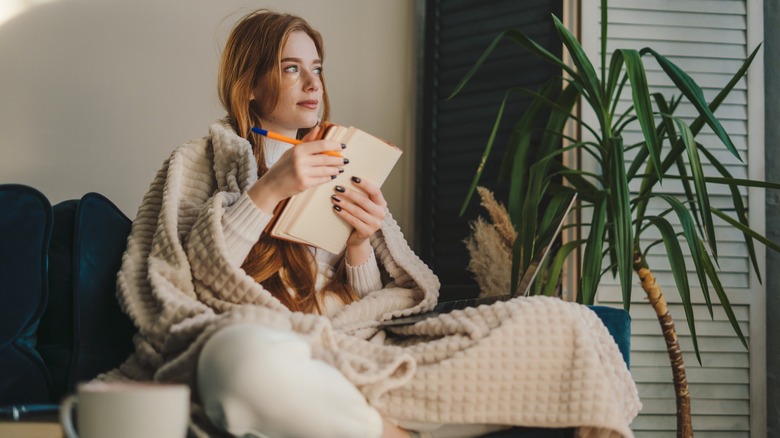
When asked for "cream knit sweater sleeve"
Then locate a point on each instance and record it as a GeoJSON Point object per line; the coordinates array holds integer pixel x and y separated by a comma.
{"type": "Point", "coordinates": [243, 224]}
{"type": "Point", "coordinates": [365, 278]}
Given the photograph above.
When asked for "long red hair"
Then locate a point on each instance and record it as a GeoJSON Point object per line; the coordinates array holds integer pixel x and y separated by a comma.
{"type": "Point", "coordinates": [252, 57]}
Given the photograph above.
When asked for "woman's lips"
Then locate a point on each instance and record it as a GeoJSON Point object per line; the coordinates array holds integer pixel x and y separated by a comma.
{"type": "Point", "coordinates": [310, 104]}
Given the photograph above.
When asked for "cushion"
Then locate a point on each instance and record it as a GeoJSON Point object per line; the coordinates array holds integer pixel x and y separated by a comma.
{"type": "Point", "coordinates": [55, 334]}
{"type": "Point", "coordinates": [83, 331]}
{"type": "Point", "coordinates": [25, 227]}
{"type": "Point", "coordinates": [102, 332]}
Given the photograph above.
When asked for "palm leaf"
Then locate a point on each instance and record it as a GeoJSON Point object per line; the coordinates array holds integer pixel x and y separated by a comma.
{"type": "Point", "coordinates": [682, 170]}
{"type": "Point", "coordinates": [556, 121]}
{"type": "Point", "coordinates": [698, 181]}
{"type": "Point", "coordinates": [694, 244]}
{"type": "Point", "coordinates": [642, 104]}
{"type": "Point", "coordinates": [741, 182]}
{"type": "Point", "coordinates": [615, 67]}
{"type": "Point", "coordinates": [671, 132]}
{"type": "Point", "coordinates": [563, 104]}
{"type": "Point", "coordinates": [620, 206]}
{"type": "Point", "coordinates": [695, 95]}
{"type": "Point", "coordinates": [699, 122]}
{"type": "Point", "coordinates": [521, 39]}
{"type": "Point", "coordinates": [587, 191]}
{"type": "Point", "coordinates": [736, 181]}
{"type": "Point", "coordinates": [520, 138]}
{"type": "Point", "coordinates": [592, 258]}
{"type": "Point", "coordinates": [556, 266]}
{"type": "Point", "coordinates": [604, 23]}
{"type": "Point", "coordinates": [679, 272]}
{"type": "Point", "coordinates": [616, 100]}
{"type": "Point", "coordinates": [587, 77]}
{"type": "Point", "coordinates": [522, 127]}
{"type": "Point", "coordinates": [678, 148]}
{"type": "Point", "coordinates": [529, 214]}
{"type": "Point", "coordinates": [746, 229]}
{"type": "Point", "coordinates": [712, 274]}
{"type": "Point", "coordinates": [485, 154]}
{"type": "Point", "coordinates": [736, 201]}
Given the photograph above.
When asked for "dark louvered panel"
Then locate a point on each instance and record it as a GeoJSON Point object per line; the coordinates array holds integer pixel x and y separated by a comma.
{"type": "Point", "coordinates": [455, 132]}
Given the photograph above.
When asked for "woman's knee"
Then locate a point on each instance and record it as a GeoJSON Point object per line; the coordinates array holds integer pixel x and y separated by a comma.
{"type": "Point", "coordinates": [242, 376]}
{"type": "Point", "coordinates": [254, 379]}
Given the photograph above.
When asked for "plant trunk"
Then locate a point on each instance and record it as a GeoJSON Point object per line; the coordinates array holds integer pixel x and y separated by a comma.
{"type": "Point", "coordinates": [657, 300]}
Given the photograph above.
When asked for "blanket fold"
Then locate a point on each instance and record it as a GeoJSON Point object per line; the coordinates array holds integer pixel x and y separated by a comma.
{"type": "Point", "coordinates": [529, 361]}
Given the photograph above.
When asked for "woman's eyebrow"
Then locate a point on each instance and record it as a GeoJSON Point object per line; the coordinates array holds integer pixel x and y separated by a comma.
{"type": "Point", "coordinates": [300, 61]}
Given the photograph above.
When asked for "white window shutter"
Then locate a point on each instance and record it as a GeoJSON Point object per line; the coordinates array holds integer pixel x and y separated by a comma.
{"type": "Point", "coordinates": [709, 39]}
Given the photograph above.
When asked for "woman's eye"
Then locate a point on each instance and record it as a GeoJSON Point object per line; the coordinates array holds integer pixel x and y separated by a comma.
{"type": "Point", "coordinates": [291, 69]}
{"type": "Point", "coordinates": [317, 70]}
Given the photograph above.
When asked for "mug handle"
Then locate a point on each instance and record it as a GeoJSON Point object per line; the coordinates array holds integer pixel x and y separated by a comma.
{"type": "Point", "coordinates": [66, 416]}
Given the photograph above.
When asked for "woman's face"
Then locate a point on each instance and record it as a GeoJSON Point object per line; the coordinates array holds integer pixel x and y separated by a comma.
{"type": "Point", "coordinates": [300, 88]}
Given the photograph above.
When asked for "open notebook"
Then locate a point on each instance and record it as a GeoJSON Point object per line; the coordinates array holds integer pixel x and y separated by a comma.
{"type": "Point", "coordinates": [523, 287]}
{"type": "Point", "coordinates": [308, 217]}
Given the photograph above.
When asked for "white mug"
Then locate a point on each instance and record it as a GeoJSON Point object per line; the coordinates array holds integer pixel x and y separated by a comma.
{"type": "Point", "coordinates": [127, 410]}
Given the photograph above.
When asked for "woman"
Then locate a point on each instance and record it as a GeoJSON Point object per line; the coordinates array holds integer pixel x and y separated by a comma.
{"type": "Point", "coordinates": [281, 339]}
{"type": "Point", "coordinates": [271, 77]}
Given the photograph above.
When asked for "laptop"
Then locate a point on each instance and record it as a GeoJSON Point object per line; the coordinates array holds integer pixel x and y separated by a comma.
{"type": "Point", "coordinates": [523, 287]}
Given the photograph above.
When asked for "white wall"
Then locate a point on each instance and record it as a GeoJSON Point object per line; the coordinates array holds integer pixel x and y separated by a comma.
{"type": "Point", "coordinates": [94, 94]}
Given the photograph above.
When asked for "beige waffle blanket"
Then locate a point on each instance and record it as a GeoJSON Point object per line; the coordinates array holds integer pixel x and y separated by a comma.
{"type": "Point", "coordinates": [530, 361]}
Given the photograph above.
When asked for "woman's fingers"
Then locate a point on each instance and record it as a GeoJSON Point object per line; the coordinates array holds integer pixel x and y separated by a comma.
{"type": "Point", "coordinates": [364, 211]}
{"type": "Point", "coordinates": [362, 230]}
{"type": "Point", "coordinates": [313, 133]}
{"type": "Point", "coordinates": [305, 166]}
{"type": "Point", "coordinates": [359, 204]}
{"type": "Point", "coordinates": [372, 190]}
{"type": "Point", "coordinates": [309, 161]}
{"type": "Point", "coordinates": [324, 147]}
{"type": "Point", "coordinates": [361, 213]}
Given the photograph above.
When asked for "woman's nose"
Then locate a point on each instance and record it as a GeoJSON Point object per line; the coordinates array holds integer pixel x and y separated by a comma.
{"type": "Point", "coordinates": [311, 82]}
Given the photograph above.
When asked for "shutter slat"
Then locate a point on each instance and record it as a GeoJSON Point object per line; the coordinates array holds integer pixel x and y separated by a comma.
{"type": "Point", "coordinates": [700, 423]}
{"type": "Point", "coordinates": [718, 7]}
{"type": "Point", "coordinates": [684, 19]}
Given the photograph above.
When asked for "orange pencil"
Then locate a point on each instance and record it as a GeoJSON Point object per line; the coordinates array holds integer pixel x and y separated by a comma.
{"type": "Point", "coordinates": [293, 141]}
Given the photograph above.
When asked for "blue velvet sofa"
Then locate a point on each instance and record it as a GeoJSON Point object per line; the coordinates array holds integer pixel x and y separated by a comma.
{"type": "Point", "coordinates": [60, 322]}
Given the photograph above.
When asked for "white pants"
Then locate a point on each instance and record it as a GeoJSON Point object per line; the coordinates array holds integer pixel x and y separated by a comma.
{"type": "Point", "coordinates": [260, 382]}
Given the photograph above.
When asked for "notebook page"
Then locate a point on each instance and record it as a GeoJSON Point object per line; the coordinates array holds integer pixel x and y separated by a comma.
{"type": "Point", "coordinates": [369, 158]}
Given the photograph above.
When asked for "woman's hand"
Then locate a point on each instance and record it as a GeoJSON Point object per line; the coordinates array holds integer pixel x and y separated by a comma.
{"type": "Point", "coordinates": [298, 169]}
{"type": "Point", "coordinates": [364, 211]}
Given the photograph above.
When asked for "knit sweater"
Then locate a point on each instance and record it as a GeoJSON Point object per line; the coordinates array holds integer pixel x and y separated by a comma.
{"type": "Point", "coordinates": [530, 361]}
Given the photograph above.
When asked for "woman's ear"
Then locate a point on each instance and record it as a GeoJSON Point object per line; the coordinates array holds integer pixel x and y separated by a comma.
{"type": "Point", "coordinates": [252, 96]}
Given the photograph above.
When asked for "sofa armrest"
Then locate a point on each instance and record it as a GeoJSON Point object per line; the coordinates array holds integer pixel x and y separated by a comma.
{"type": "Point", "coordinates": [618, 322]}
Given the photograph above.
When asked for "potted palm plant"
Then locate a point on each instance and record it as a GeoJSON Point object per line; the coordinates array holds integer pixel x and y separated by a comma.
{"type": "Point", "coordinates": [618, 216]}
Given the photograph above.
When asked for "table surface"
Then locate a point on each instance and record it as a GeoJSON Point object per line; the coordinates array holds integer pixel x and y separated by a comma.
{"type": "Point", "coordinates": [30, 429]}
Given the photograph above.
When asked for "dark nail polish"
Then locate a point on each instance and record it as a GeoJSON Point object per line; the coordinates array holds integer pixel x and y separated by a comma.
{"type": "Point", "coordinates": [343, 146]}
{"type": "Point", "coordinates": [341, 170]}
{"type": "Point", "coordinates": [333, 177]}
{"type": "Point", "coordinates": [346, 160]}
{"type": "Point", "coordinates": [356, 180]}
{"type": "Point", "coordinates": [336, 198]}
{"type": "Point", "coordinates": [340, 189]}
{"type": "Point", "coordinates": [337, 208]}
